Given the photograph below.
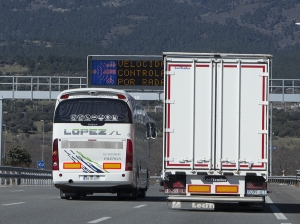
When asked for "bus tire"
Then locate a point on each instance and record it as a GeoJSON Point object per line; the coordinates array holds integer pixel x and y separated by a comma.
{"type": "Point", "coordinates": [62, 195]}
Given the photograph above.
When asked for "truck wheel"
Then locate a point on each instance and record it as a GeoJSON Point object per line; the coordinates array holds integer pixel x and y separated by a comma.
{"type": "Point", "coordinates": [135, 193]}
{"type": "Point", "coordinates": [119, 196]}
{"type": "Point", "coordinates": [161, 182]}
{"type": "Point", "coordinates": [142, 193]}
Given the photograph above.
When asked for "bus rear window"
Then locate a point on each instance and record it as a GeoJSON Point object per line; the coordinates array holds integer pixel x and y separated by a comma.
{"type": "Point", "coordinates": [92, 110]}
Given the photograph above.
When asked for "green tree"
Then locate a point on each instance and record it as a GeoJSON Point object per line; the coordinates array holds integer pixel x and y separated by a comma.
{"type": "Point", "coordinates": [17, 156]}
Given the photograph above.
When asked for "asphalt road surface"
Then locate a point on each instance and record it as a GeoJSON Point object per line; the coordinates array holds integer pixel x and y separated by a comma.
{"type": "Point", "coordinates": [42, 204]}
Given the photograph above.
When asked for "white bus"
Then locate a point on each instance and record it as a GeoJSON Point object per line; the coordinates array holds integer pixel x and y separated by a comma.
{"type": "Point", "coordinates": [101, 142]}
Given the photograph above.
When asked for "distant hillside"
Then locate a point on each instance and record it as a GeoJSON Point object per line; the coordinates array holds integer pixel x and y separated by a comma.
{"type": "Point", "coordinates": [74, 28]}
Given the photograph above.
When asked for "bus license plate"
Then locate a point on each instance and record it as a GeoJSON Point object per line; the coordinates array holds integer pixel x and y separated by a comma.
{"type": "Point", "coordinates": [89, 178]}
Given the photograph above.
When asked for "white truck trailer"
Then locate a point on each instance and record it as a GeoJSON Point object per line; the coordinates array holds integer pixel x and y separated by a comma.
{"type": "Point", "coordinates": [215, 129]}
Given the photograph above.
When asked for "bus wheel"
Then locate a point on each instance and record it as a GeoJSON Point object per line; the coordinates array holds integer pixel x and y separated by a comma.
{"type": "Point", "coordinates": [76, 196]}
{"type": "Point", "coordinates": [63, 196]}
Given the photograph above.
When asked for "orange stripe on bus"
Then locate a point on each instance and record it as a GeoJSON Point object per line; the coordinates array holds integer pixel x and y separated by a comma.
{"type": "Point", "coordinates": [71, 165]}
{"type": "Point", "coordinates": [111, 165]}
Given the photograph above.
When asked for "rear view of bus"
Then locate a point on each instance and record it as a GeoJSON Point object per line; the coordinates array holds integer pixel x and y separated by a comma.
{"type": "Point", "coordinates": [94, 144]}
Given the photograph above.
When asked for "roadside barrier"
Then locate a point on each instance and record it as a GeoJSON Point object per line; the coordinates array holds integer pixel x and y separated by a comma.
{"type": "Point", "coordinates": [289, 180]}
{"type": "Point", "coordinates": [22, 176]}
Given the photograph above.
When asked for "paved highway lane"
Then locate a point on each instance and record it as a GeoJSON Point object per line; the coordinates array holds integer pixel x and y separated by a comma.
{"type": "Point", "coordinates": [42, 204]}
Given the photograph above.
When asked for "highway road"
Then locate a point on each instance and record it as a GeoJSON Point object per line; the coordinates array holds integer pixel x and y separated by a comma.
{"type": "Point", "coordinates": [42, 204]}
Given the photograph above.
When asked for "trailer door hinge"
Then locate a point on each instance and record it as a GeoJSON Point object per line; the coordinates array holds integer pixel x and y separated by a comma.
{"type": "Point", "coordinates": [263, 132]}
{"type": "Point", "coordinates": [169, 73]}
{"type": "Point", "coordinates": [262, 160]}
{"type": "Point", "coordinates": [227, 161]}
{"type": "Point", "coordinates": [169, 130]}
{"type": "Point", "coordinates": [169, 101]}
{"type": "Point", "coordinates": [185, 160]}
{"type": "Point", "coordinates": [265, 74]}
{"type": "Point", "coordinates": [264, 103]}
{"type": "Point", "coordinates": [203, 160]}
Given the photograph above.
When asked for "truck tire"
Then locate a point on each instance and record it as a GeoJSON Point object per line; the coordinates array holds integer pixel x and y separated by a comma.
{"type": "Point", "coordinates": [142, 193]}
{"type": "Point", "coordinates": [134, 196]}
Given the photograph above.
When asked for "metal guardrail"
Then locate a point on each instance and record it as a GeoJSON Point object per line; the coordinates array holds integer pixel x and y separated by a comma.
{"type": "Point", "coordinates": [17, 175]}
{"type": "Point", "coordinates": [154, 179]}
{"type": "Point", "coordinates": [48, 87]}
{"type": "Point", "coordinates": [290, 180]}
{"type": "Point", "coordinates": [38, 87]}
{"type": "Point", "coordinates": [22, 176]}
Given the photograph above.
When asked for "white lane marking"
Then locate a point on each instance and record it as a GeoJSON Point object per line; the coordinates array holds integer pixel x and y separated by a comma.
{"type": "Point", "coordinates": [15, 203]}
{"type": "Point", "coordinates": [275, 210]}
{"type": "Point", "coordinates": [17, 190]}
{"type": "Point", "coordinates": [99, 220]}
{"type": "Point", "coordinates": [139, 206]}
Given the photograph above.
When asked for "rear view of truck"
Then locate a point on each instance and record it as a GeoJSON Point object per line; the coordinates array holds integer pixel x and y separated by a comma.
{"type": "Point", "coordinates": [215, 129]}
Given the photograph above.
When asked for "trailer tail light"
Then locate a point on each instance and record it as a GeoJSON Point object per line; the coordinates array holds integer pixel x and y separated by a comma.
{"type": "Point", "coordinates": [175, 184]}
{"type": "Point", "coordinates": [55, 160]}
{"type": "Point", "coordinates": [256, 187]}
{"type": "Point", "coordinates": [129, 156]}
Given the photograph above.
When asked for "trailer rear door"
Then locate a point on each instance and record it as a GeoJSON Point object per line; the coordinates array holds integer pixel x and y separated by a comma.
{"type": "Point", "coordinates": [216, 113]}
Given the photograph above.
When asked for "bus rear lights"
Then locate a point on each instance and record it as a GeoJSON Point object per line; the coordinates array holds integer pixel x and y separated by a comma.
{"type": "Point", "coordinates": [123, 175]}
{"type": "Point", "coordinates": [128, 166]}
{"type": "Point", "coordinates": [55, 159]}
{"type": "Point", "coordinates": [65, 96]}
{"type": "Point", "coordinates": [121, 97]}
{"type": "Point", "coordinates": [129, 156]}
{"type": "Point", "coordinates": [60, 175]}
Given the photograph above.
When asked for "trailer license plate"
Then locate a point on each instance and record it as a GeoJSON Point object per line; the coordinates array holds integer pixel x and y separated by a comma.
{"type": "Point", "coordinates": [89, 177]}
{"type": "Point", "coordinates": [256, 192]}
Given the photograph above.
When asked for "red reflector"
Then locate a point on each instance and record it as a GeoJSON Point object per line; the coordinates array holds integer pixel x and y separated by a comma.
{"type": "Point", "coordinates": [55, 160]}
{"type": "Point", "coordinates": [256, 185]}
{"type": "Point", "coordinates": [121, 97]}
{"type": "Point", "coordinates": [65, 96]}
{"type": "Point", "coordinates": [178, 184]}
